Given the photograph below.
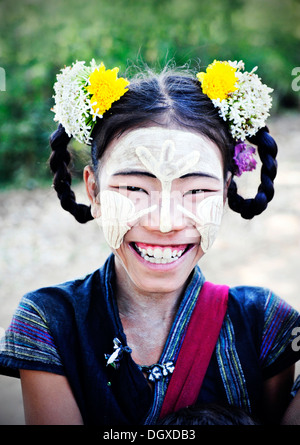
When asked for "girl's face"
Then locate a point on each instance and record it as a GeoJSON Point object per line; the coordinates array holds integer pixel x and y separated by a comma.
{"type": "Point", "coordinates": [160, 204]}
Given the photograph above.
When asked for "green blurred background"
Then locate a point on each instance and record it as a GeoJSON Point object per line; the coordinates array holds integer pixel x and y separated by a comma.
{"type": "Point", "coordinates": [38, 37]}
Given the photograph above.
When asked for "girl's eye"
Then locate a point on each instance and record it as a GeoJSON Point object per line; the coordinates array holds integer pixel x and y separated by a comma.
{"type": "Point", "coordinates": [195, 191]}
{"type": "Point", "coordinates": [131, 188]}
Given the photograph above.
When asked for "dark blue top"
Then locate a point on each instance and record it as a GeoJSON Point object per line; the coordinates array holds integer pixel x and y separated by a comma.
{"type": "Point", "coordinates": [70, 330]}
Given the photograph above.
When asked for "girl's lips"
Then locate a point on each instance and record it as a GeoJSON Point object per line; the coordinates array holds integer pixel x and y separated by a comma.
{"type": "Point", "coordinates": [160, 257]}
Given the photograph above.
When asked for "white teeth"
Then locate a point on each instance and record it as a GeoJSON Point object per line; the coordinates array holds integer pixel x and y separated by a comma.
{"type": "Point", "coordinates": [160, 256]}
{"type": "Point", "coordinates": [149, 251]}
{"type": "Point", "coordinates": [157, 253]}
{"type": "Point", "coordinates": [167, 253]}
{"type": "Point", "coordinates": [151, 259]}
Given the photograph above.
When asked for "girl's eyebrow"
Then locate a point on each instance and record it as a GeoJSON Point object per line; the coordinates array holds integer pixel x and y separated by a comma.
{"type": "Point", "coordinates": [201, 174]}
{"type": "Point", "coordinates": [134, 173]}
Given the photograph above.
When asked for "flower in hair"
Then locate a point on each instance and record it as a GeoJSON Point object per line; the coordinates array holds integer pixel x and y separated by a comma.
{"type": "Point", "coordinates": [242, 99]}
{"type": "Point", "coordinates": [83, 93]}
{"type": "Point", "coordinates": [219, 80]}
{"type": "Point", "coordinates": [105, 88]}
{"type": "Point", "coordinates": [243, 158]}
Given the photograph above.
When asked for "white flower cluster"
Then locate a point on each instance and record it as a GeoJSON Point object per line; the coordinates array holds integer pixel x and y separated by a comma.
{"type": "Point", "coordinates": [73, 108]}
{"type": "Point", "coordinates": [247, 108]}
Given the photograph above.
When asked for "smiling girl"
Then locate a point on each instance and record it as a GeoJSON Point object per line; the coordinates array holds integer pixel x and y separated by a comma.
{"type": "Point", "coordinates": [146, 334]}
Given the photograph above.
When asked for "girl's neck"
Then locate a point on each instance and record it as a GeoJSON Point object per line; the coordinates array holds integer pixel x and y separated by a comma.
{"type": "Point", "coordinates": [135, 302]}
{"type": "Point", "coordinates": [146, 320]}
{"type": "Point", "coordinates": [146, 317]}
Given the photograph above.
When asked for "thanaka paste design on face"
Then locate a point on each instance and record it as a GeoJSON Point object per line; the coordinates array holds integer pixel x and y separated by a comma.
{"type": "Point", "coordinates": [208, 219]}
{"type": "Point", "coordinates": [118, 212]}
{"type": "Point", "coordinates": [166, 169]}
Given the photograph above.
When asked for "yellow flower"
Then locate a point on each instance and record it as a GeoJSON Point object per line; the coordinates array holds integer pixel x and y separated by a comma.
{"type": "Point", "coordinates": [105, 88]}
{"type": "Point", "coordinates": [219, 80]}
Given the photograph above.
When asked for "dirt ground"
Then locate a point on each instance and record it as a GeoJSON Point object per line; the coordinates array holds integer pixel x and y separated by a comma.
{"type": "Point", "coordinates": [40, 244]}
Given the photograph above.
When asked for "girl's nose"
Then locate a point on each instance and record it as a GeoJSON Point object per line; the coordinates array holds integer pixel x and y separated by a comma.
{"type": "Point", "coordinates": [166, 217]}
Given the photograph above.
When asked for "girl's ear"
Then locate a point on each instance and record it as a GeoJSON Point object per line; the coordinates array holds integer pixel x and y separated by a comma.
{"type": "Point", "coordinates": [92, 190]}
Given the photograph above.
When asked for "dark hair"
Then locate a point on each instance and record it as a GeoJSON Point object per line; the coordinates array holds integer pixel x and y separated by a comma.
{"type": "Point", "coordinates": [209, 414]}
{"type": "Point", "coordinates": [170, 98]}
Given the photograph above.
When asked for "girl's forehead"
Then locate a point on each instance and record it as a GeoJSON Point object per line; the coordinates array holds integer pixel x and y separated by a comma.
{"type": "Point", "coordinates": [122, 153]}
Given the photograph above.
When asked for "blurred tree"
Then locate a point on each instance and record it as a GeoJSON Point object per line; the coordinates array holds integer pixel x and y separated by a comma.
{"type": "Point", "coordinates": [38, 38]}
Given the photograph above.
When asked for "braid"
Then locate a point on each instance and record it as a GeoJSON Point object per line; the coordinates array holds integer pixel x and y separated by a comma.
{"type": "Point", "coordinates": [267, 150]}
{"type": "Point", "coordinates": [59, 161]}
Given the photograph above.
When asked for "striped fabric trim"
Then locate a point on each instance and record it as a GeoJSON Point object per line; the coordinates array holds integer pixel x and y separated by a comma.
{"type": "Point", "coordinates": [230, 367]}
{"type": "Point", "coordinates": [28, 337]}
{"type": "Point", "coordinates": [174, 342]}
{"type": "Point", "coordinates": [280, 319]}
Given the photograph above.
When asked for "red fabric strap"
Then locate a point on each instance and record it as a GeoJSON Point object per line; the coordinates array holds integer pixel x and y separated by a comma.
{"type": "Point", "coordinates": [197, 348]}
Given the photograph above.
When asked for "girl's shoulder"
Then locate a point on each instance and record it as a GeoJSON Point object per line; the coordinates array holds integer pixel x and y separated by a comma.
{"type": "Point", "coordinates": [255, 300]}
{"type": "Point", "coordinates": [269, 321]}
{"type": "Point", "coordinates": [261, 307]}
{"type": "Point", "coordinates": [249, 295]}
{"type": "Point", "coordinates": [72, 296]}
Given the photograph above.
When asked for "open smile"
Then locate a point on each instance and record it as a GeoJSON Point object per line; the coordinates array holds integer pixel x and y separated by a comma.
{"type": "Point", "coordinates": [157, 254]}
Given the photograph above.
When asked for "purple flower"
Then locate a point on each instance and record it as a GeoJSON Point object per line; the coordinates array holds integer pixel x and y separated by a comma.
{"type": "Point", "coordinates": [243, 157]}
